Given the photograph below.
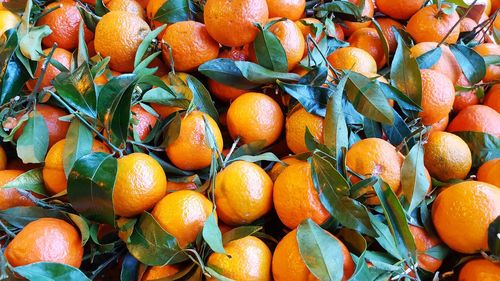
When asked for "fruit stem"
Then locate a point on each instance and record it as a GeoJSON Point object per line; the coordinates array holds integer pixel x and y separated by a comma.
{"type": "Point", "coordinates": [457, 23]}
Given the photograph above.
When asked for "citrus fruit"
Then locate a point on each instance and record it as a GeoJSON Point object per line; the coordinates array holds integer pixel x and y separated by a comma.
{"type": "Point", "coordinates": [439, 126]}
{"type": "Point", "coordinates": [479, 269]}
{"type": "Point", "coordinates": [431, 25]}
{"type": "Point", "coordinates": [489, 171]}
{"type": "Point", "coordinates": [183, 214]}
{"type": "Point", "coordinates": [46, 240]}
{"type": "Point", "coordinates": [353, 59]}
{"type": "Point", "coordinates": [243, 193]}
{"type": "Point", "coordinates": [489, 49]}
{"type": "Point", "coordinates": [159, 272]}
{"type": "Point", "coordinates": [438, 94]}
{"type": "Point", "coordinates": [3, 159]}
{"type": "Point", "coordinates": [296, 123]}
{"type": "Point", "coordinates": [424, 242]}
{"type": "Point", "coordinates": [140, 184]}
{"type": "Point", "coordinates": [447, 63]}
{"type": "Point", "coordinates": [61, 56]}
{"type": "Point", "coordinates": [292, 40]}
{"type": "Point", "coordinates": [399, 9]}
{"type": "Point", "coordinates": [179, 84]}
{"type": "Point", "coordinates": [492, 98]}
{"type": "Point", "coordinates": [10, 197]}
{"type": "Point", "coordinates": [367, 11]}
{"type": "Point", "coordinates": [8, 20]}
{"type": "Point", "coordinates": [476, 118]}
{"type": "Point", "coordinates": [386, 25]}
{"type": "Point", "coordinates": [103, 79]}
{"type": "Point", "coordinates": [279, 167]}
{"type": "Point", "coordinates": [130, 6]}
{"type": "Point", "coordinates": [290, 9]}
{"type": "Point", "coordinates": [464, 99]}
{"type": "Point", "coordinates": [462, 213]}
{"type": "Point", "coordinates": [367, 39]}
{"type": "Point", "coordinates": [144, 121]}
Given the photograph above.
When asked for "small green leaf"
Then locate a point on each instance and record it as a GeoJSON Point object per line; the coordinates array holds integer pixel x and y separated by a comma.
{"type": "Point", "coordinates": [492, 60]}
{"type": "Point", "coordinates": [398, 132]}
{"type": "Point", "coordinates": [430, 58]}
{"type": "Point", "coordinates": [145, 44]}
{"type": "Point", "coordinates": [21, 216]}
{"type": "Point", "coordinates": [31, 180]}
{"type": "Point", "coordinates": [100, 8]}
{"type": "Point", "coordinates": [33, 143]}
{"type": "Point", "coordinates": [383, 40]}
{"type": "Point", "coordinates": [49, 271]}
{"type": "Point", "coordinates": [313, 99]}
{"type": "Point", "coordinates": [239, 232]}
{"type": "Point", "coordinates": [472, 64]}
{"type": "Point", "coordinates": [267, 156]}
{"type": "Point", "coordinates": [89, 18]}
{"type": "Point", "coordinates": [13, 75]}
{"type": "Point", "coordinates": [173, 11]}
{"type": "Point", "coordinates": [335, 126]}
{"type": "Point", "coordinates": [201, 98]}
{"type": "Point", "coordinates": [83, 225]}
{"type": "Point", "coordinates": [340, 7]}
{"type": "Point", "coordinates": [83, 54]}
{"type": "Point", "coordinates": [269, 51]}
{"type": "Point", "coordinates": [413, 181]}
{"type": "Point", "coordinates": [31, 44]}
{"type": "Point", "coordinates": [79, 141]}
{"type": "Point", "coordinates": [484, 147]}
{"type": "Point", "coordinates": [212, 235]}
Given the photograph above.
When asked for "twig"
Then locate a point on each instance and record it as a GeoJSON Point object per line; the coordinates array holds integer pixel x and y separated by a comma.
{"type": "Point", "coordinates": [6, 229]}
{"type": "Point", "coordinates": [44, 69]}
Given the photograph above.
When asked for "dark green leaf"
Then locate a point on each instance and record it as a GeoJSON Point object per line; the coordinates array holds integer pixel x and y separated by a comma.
{"type": "Point", "coordinates": [398, 131]}
{"type": "Point", "coordinates": [492, 60]}
{"type": "Point", "coordinates": [372, 129]}
{"type": "Point", "coordinates": [201, 97]}
{"type": "Point", "coordinates": [383, 40]}
{"type": "Point", "coordinates": [413, 181]}
{"type": "Point", "coordinates": [267, 156]}
{"type": "Point", "coordinates": [400, 98]}
{"type": "Point", "coordinates": [313, 99]}
{"type": "Point", "coordinates": [83, 54]}
{"type": "Point", "coordinates": [21, 216]}
{"type": "Point", "coordinates": [212, 235]}
{"type": "Point", "coordinates": [33, 143]}
{"type": "Point", "coordinates": [315, 77]}
{"type": "Point", "coordinates": [13, 74]}
{"type": "Point", "coordinates": [494, 237]}
{"type": "Point", "coordinates": [89, 18]}
{"type": "Point", "coordinates": [385, 238]}
{"type": "Point", "coordinates": [483, 146]}
{"type": "Point", "coordinates": [145, 44]}
{"type": "Point", "coordinates": [269, 51]}
{"type": "Point", "coordinates": [100, 8]}
{"type": "Point", "coordinates": [439, 251]}
{"type": "Point", "coordinates": [173, 11]}
{"type": "Point", "coordinates": [31, 180]}
{"type": "Point", "coordinates": [239, 232]}
{"type": "Point", "coordinates": [430, 58]}
{"type": "Point", "coordinates": [340, 7]}
{"type": "Point", "coordinates": [335, 126]}
{"type": "Point", "coordinates": [50, 271]}
{"type": "Point", "coordinates": [79, 141]}
{"type": "Point", "coordinates": [472, 63]}
{"type": "Point", "coordinates": [130, 268]}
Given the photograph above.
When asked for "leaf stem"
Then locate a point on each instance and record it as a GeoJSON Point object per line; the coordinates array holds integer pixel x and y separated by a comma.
{"type": "Point", "coordinates": [6, 229]}
{"type": "Point", "coordinates": [335, 72]}
{"type": "Point", "coordinates": [457, 23]}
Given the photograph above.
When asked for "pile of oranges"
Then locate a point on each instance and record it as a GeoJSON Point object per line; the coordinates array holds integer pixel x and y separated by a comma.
{"type": "Point", "coordinates": [250, 140]}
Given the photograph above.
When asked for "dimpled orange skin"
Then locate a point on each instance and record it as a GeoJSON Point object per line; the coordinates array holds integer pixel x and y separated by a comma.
{"type": "Point", "coordinates": [368, 11]}
{"type": "Point", "coordinates": [353, 59]}
{"type": "Point", "coordinates": [439, 126]}
{"type": "Point", "coordinates": [438, 95]}
{"type": "Point", "coordinates": [476, 118]}
{"type": "Point", "coordinates": [46, 240]}
{"type": "Point", "coordinates": [231, 22]}
{"type": "Point", "coordinates": [278, 167]}
{"type": "Point", "coordinates": [489, 49]}
{"type": "Point", "coordinates": [492, 98]}
{"type": "Point", "coordinates": [158, 272]}
{"type": "Point", "coordinates": [10, 197]}
{"type": "Point", "coordinates": [462, 213]}
{"type": "Point", "coordinates": [464, 99]}
{"type": "Point", "coordinates": [447, 63]}
{"type": "Point", "coordinates": [54, 177]}
{"type": "Point", "coordinates": [130, 6]}
{"type": "Point", "coordinates": [64, 23]}
{"type": "Point", "coordinates": [375, 156]}
{"type": "Point", "coordinates": [296, 124]}
{"type": "Point", "coordinates": [243, 193]}
{"type": "Point", "coordinates": [255, 116]}
{"type": "Point", "coordinates": [424, 242]}
{"type": "Point", "coordinates": [61, 56]}
{"type": "Point", "coordinates": [488, 172]}
{"type": "Point", "coordinates": [183, 214]}
{"type": "Point", "coordinates": [430, 25]}
{"type": "Point", "coordinates": [118, 35]}
{"type": "Point", "coordinates": [191, 45]}
{"type": "Point", "coordinates": [399, 9]}
{"type": "Point", "coordinates": [295, 198]}
{"type": "Point", "coordinates": [146, 121]}
{"type": "Point", "coordinates": [288, 264]}
{"type": "Point", "coordinates": [386, 25]}
{"type": "Point", "coordinates": [479, 269]}
{"type": "Point", "coordinates": [290, 9]}
{"type": "Point", "coordinates": [292, 40]}
{"type": "Point", "coordinates": [190, 150]}
{"type": "Point", "coordinates": [247, 259]}
{"type": "Point", "coordinates": [367, 39]}
{"type": "Point", "coordinates": [140, 184]}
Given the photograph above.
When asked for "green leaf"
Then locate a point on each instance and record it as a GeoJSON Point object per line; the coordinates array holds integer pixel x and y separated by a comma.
{"type": "Point", "coordinates": [385, 44]}
{"type": "Point", "coordinates": [315, 77]}
{"type": "Point", "coordinates": [335, 126]}
{"type": "Point", "coordinates": [494, 238]}
{"type": "Point", "coordinates": [239, 232]}
{"type": "Point", "coordinates": [269, 51]}
{"type": "Point", "coordinates": [79, 141]}
{"type": "Point", "coordinates": [492, 60]}
{"type": "Point", "coordinates": [90, 187]}
{"type": "Point", "coordinates": [31, 180]}
{"type": "Point", "coordinates": [83, 226]}
{"type": "Point", "coordinates": [472, 64]}
{"type": "Point", "coordinates": [340, 7]}
{"type": "Point", "coordinates": [212, 235]}
{"type": "Point", "coordinates": [267, 156]}
{"type": "Point", "coordinates": [145, 44]}
{"type": "Point", "coordinates": [413, 181]}
{"type": "Point", "coordinates": [484, 147]}
{"type": "Point", "coordinates": [31, 43]}
{"type": "Point", "coordinates": [313, 99]}
{"type": "Point", "coordinates": [100, 8]}
{"type": "Point", "coordinates": [202, 98]}
{"type": "Point", "coordinates": [173, 11]}
{"type": "Point", "coordinates": [83, 54]}
{"type": "Point", "coordinates": [430, 58]}
{"type": "Point", "coordinates": [89, 18]}
{"type": "Point", "coordinates": [13, 74]}
{"type": "Point", "coordinates": [242, 74]}
{"type": "Point", "coordinates": [385, 238]}
{"type": "Point", "coordinates": [172, 131]}
{"type": "Point", "coordinates": [398, 131]}
{"type": "Point", "coordinates": [400, 98]}
{"type": "Point", "coordinates": [33, 143]}
{"type": "Point", "coordinates": [130, 268]}
{"type": "Point", "coordinates": [439, 251]}
{"type": "Point", "coordinates": [21, 216]}
{"type": "Point", "coordinates": [50, 271]}
{"type": "Point", "coordinates": [320, 251]}
{"type": "Point", "coordinates": [165, 97]}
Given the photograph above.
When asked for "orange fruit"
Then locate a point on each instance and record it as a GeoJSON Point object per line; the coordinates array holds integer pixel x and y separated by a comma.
{"type": "Point", "coordinates": [190, 43]}
{"type": "Point", "coordinates": [159, 272]}
{"type": "Point", "coordinates": [183, 214]}
{"type": "Point", "coordinates": [290, 9]}
{"type": "Point", "coordinates": [61, 56]}
{"type": "Point", "coordinates": [140, 184]}
{"type": "Point", "coordinates": [353, 59]}
{"type": "Point", "coordinates": [152, 8]}
{"type": "Point", "coordinates": [431, 25]}
{"type": "Point", "coordinates": [176, 186]}
{"type": "Point", "coordinates": [468, 24]}
{"type": "Point", "coordinates": [439, 126]}
{"type": "Point", "coordinates": [3, 159]}
{"type": "Point", "coordinates": [231, 23]}
{"type": "Point", "coordinates": [253, 117]}
{"type": "Point", "coordinates": [92, 2]}
{"type": "Point", "coordinates": [144, 121]}
{"type": "Point", "coordinates": [10, 197]}
{"type": "Point", "coordinates": [51, 114]}
{"type": "Point", "coordinates": [447, 64]}
{"type": "Point", "coordinates": [243, 193]}
{"type": "Point", "coordinates": [292, 40]}
{"type": "Point", "coordinates": [488, 172]}
{"type": "Point", "coordinates": [165, 110]}
{"type": "Point", "coordinates": [54, 177]}
{"type": "Point", "coordinates": [46, 240]}
{"type": "Point", "coordinates": [9, 20]}
{"type": "Point", "coordinates": [278, 167]}
{"type": "Point", "coordinates": [424, 242]}
{"type": "Point", "coordinates": [288, 264]}
{"type": "Point", "coordinates": [438, 94]}
{"type": "Point", "coordinates": [296, 123]}
{"type": "Point", "coordinates": [399, 9]}
{"type": "Point", "coordinates": [118, 35]}
{"type": "Point", "coordinates": [368, 11]}
{"type": "Point", "coordinates": [479, 269]}
{"type": "Point", "coordinates": [386, 25]}
{"type": "Point", "coordinates": [476, 118]}
{"type": "Point", "coordinates": [492, 98]}
{"type": "Point", "coordinates": [130, 6]}
{"type": "Point", "coordinates": [367, 39]}
{"type": "Point", "coordinates": [190, 150]}
{"type": "Point", "coordinates": [462, 213]}
{"type": "Point", "coordinates": [295, 198]}
{"type": "Point", "coordinates": [464, 99]}
{"type": "Point", "coordinates": [375, 157]}
{"type": "Point", "coordinates": [489, 49]}
{"type": "Point", "coordinates": [64, 23]}
{"type": "Point", "coordinates": [495, 4]}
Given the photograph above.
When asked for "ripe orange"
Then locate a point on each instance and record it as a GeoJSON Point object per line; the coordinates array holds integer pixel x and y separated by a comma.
{"type": "Point", "coordinates": [61, 56]}
{"type": "Point", "coordinates": [183, 214]}
{"type": "Point", "coordinates": [438, 94]}
{"type": "Point", "coordinates": [278, 167]}
{"type": "Point", "coordinates": [492, 98]}
{"type": "Point", "coordinates": [46, 240]}
{"type": "Point", "coordinates": [159, 272]}
{"type": "Point", "coordinates": [140, 184]}
{"type": "Point", "coordinates": [288, 264]}
{"type": "Point", "coordinates": [144, 121]}
{"type": "Point", "coordinates": [367, 39]}
{"type": "Point", "coordinates": [118, 35]}
{"type": "Point", "coordinates": [176, 186]}
{"type": "Point", "coordinates": [54, 177]}
{"type": "Point", "coordinates": [424, 242]}
{"type": "Point", "coordinates": [489, 171]}
{"type": "Point", "coordinates": [431, 25]}
{"type": "Point", "coordinates": [295, 198]}
{"type": "Point", "coordinates": [386, 25]}
{"type": "Point", "coordinates": [375, 157]}
{"type": "Point", "coordinates": [439, 126]}
{"type": "Point", "coordinates": [253, 117]}
{"type": "Point", "coordinates": [464, 99]}
{"type": "Point", "coordinates": [165, 110]}
{"type": "Point", "coordinates": [10, 197]}
{"type": "Point", "coordinates": [190, 150]}
{"type": "Point", "coordinates": [231, 22]}
{"type": "Point", "coordinates": [247, 258]}
{"type": "Point", "coordinates": [479, 269]}
{"type": "Point", "coordinates": [368, 11]}
{"type": "Point", "coordinates": [290, 9]}
{"type": "Point", "coordinates": [462, 213]}
{"type": "Point", "coordinates": [354, 59]}
{"type": "Point", "coordinates": [64, 23]}
{"type": "Point", "coordinates": [399, 9]}
{"type": "Point", "coordinates": [152, 8]}
{"type": "Point", "coordinates": [190, 43]}
{"type": "Point", "coordinates": [447, 64]}
{"type": "Point", "coordinates": [296, 123]}
{"type": "Point", "coordinates": [489, 49]}
{"type": "Point", "coordinates": [495, 4]}
{"type": "Point", "coordinates": [130, 6]}
{"type": "Point", "coordinates": [292, 40]}
{"type": "Point", "coordinates": [243, 193]}
{"type": "Point", "coordinates": [476, 118]}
